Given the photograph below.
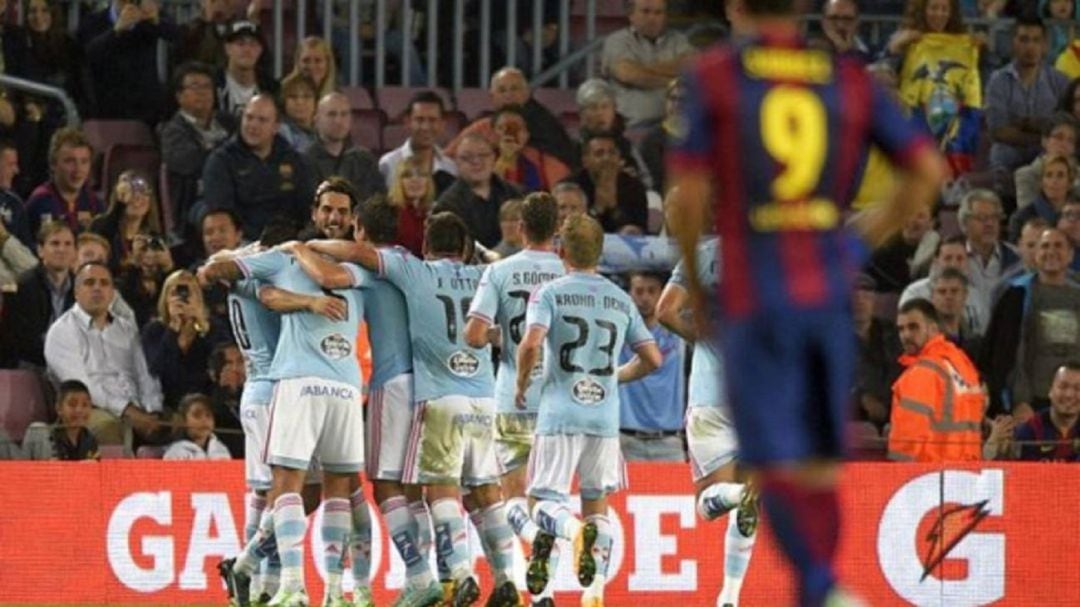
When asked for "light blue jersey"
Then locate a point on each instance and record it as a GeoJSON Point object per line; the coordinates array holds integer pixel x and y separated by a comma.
{"type": "Point", "coordinates": [656, 401]}
{"type": "Point", "coordinates": [310, 345]}
{"type": "Point", "coordinates": [588, 319]}
{"type": "Point", "coordinates": [708, 386]}
{"type": "Point", "coordinates": [438, 295]}
{"type": "Point", "coordinates": [388, 328]}
{"type": "Point", "coordinates": [503, 297]}
{"type": "Point", "coordinates": [256, 329]}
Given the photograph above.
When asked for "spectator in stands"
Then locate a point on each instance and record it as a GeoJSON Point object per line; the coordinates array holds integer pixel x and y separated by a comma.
{"type": "Point", "coordinates": [989, 258]}
{"type": "Point", "coordinates": [202, 39]}
{"type": "Point", "coordinates": [298, 125]}
{"type": "Point", "coordinates": [925, 17]}
{"type": "Point", "coordinates": [570, 198]}
{"type": "Point", "coordinates": [617, 199]}
{"type": "Point", "coordinates": [1058, 139]}
{"type": "Point", "coordinates": [227, 376]}
{"type": "Point", "coordinates": [140, 281]}
{"type": "Point", "coordinates": [938, 404]}
{"type": "Point", "coordinates": [1033, 331]}
{"type": "Point", "coordinates": [132, 211]}
{"type": "Point", "coordinates": [1069, 103]}
{"type": "Point", "coordinates": [13, 47]}
{"type": "Point", "coordinates": [395, 36]}
{"type": "Point", "coordinates": [196, 439]}
{"type": "Point", "coordinates": [413, 193]}
{"type": "Point", "coordinates": [241, 80]}
{"type": "Point", "coordinates": [651, 409]}
{"type": "Point", "coordinates": [478, 194]}
{"type": "Point", "coordinates": [879, 348]}
{"type": "Point", "coordinates": [513, 239]}
{"type": "Point", "coordinates": [52, 55]}
{"type": "Point", "coordinates": [331, 216]}
{"type": "Point", "coordinates": [1060, 19]}
{"type": "Point", "coordinates": [121, 54]}
{"type": "Point", "coordinates": [12, 213]}
{"type": "Point", "coordinates": [424, 118]}
{"type": "Point", "coordinates": [256, 173]}
{"type": "Point", "coordinates": [1069, 224]}
{"type": "Point", "coordinates": [179, 342]}
{"type": "Point", "coordinates": [43, 295]}
{"type": "Point", "coordinates": [840, 30]}
{"type": "Point", "coordinates": [596, 103]}
{"type": "Point", "coordinates": [315, 60]}
{"type": "Point", "coordinates": [67, 196]}
{"type": "Point", "coordinates": [948, 294]}
{"type": "Point", "coordinates": [894, 265]}
{"type": "Point", "coordinates": [519, 162]}
{"type": "Point", "coordinates": [1020, 96]}
{"type": "Point", "coordinates": [641, 59]}
{"type": "Point", "coordinates": [15, 260]}
{"type": "Point", "coordinates": [653, 147]}
{"type": "Point", "coordinates": [103, 352]}
{"type": "Point", "coordinates": [1050, 435]}
{"type": "Point", "coordinates": [221, 230]}
{"type": "Point", "coordinates": [523, 37]}
{"type": "Point", "coordinates": [334, 153]}
{"type": "Point", "coordinates": [69, 439]}
{"type": "Point", "coordinates": [509, 87]}
{"type": "Point", "coordinates": [90, 247]}
{"type": "Point", "coordinates": [951, 253]}
{"type": "Point", "coordinates": [1058, 175]}
{"type": "Point", "coordinates": [1027, 248]}
{"type": "Point", "coordinates": [188, 138]}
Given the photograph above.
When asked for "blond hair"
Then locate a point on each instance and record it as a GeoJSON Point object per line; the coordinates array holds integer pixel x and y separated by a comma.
{"type": "Point", "coordinates": [396, 195]}
{"type": "Point", "coordinates": [174, 280]}
{"type": "Point", "coordinates": [582, 241]}
{"type": "Point", "coordinates": [329, 84]}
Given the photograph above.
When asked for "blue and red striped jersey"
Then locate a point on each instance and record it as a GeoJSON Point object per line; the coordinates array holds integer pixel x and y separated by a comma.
{"type": "Point", "coordinates": [783, 128]}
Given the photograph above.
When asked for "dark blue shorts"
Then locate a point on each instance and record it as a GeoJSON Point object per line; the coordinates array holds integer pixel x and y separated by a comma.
{"type": "Point", "coordinates": [790, 377]}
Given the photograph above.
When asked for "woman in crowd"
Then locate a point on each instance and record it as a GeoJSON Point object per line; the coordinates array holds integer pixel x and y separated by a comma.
{"type": "Point", "coordinates": [298, 94]}
{"type": "Point", "coordinates": [925, 17]}
{"type": "Point", "coordinates": [413, 193]}
{"type": "Point", "coordinates": [133, 210]}
{"type": "Point", "coordinates": [179, 342]}
{"type": "Point", "coordinates": [315, 60]}
{"type": "Point", "coordinates": [1058, 174]}
{"type": "Point", "coordinates": [54, 57]}
{"type": "Point", "coordinates": [196, 439]}
{"type": "Point", "coordinates": [517, 161]}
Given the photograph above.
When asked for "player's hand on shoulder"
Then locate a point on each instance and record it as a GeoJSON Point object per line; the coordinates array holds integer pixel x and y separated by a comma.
{"type": "Point", "coordinates": [333, 308]}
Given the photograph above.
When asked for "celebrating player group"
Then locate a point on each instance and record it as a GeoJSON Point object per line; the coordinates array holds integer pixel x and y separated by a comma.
{"type": "Point", "coordinates": [767, 153]}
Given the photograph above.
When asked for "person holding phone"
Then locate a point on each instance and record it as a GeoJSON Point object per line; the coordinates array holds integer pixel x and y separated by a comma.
{"type": "Point", "coordinates": [179, 342]}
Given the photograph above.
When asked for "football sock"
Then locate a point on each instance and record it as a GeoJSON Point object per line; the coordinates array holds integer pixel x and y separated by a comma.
{"type": "Point", "coordinates": [517, 514]}
{"type": "Point", "coordinates": [336, 527]}
{"type": "Point", "coordinates": [290, 525]}
{"type": "Point", "coordinates": [718, 498]}
{"type": "Point", "coordinates": [261, 544]}
{"type": "Point", "coordinates": [500, 541]}
{"type": "Point", "coordinates": [450, 538]}
{"type": "Point", "coordinates": [402, 528]}
{"type": "Point", "coordinates": [256, 505]}
{"type": "Point", "coordinates": [556, 519]}
{"type": "Point", "coordinates": [360, 539]}
{"type": "Point", "coordinates": [737, 551]}
{"type": "Point", "coordinates": [806, 522]}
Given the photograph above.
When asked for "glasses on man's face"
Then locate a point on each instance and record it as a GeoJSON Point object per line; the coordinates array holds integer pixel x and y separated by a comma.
{"type": "Point", "coordinates": [986, 217]}
{"type": "Point", "coordinates": [841, 18]}
{"type": "Point", "coordinates": [471, 158]}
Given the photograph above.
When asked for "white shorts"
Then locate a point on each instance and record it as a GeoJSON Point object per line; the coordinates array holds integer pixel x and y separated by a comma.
{"type": "Point", "coordinates": [514, 436]}
{"type": "Point", "coordinates": [255, 419]}
{"type": "Point", "coordinates": [390, 420]}
{"type": "Point", "coordinates": [710, 435]}
{"type": "Point", "coordinates": [313, 417]}
{"type": "Point", "coordinates": [597, 460]}
{"type": "Point", "coordinates": [452, 443]}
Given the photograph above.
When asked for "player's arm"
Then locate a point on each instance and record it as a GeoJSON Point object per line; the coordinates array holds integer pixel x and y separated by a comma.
{"type": "Point", "coordinates": [689, 197]}
{"type": "Point", "coordinates": [669, 311]}
{"type": "Point", "coordinates": [226, 270]}
{"type": "Point", "coordinates": [528, 355]}
{"type": "Point", "coordinates": [479, 332]}
{"type": "Point", "coordinates": [283, 301]}
{"type": "Point", "coordinates": [646, 360]}
{"type": "Point", "coordinates": [329, 274]}
{"type": "Point", "coordinates": [362, 253]}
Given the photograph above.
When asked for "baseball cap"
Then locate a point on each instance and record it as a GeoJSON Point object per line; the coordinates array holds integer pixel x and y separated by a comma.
{"type": "Point", "coordinates": [240, 28]}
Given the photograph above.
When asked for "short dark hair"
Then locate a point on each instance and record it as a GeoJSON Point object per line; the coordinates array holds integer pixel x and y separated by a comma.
{"type": "Point", "coordinates": [233, 216]}
{"type": "Point", "coordinates": [445, 234]}
{"type": "Point", "coordinates": [949, 274]}
{"type": "Point", "coordinates": [278, 230]}
{"type": "Point", "coordinates": [587, 136]}
{"type": "Point", "coordinates": [7, 144]}
{"type": "Point", "coordinates": [921, 305]}
{"type": "Point", "coordinates": [954, 239]}
{"type": "Point", "coordinates": [1029, 19]}
{"type": "Point", "coordinates": [216, 362]}
{"type": "Point", "coordinates": [769, 7]}
{"type": "Point", "coordinates": [188, 68]}
{"type": "Point", "coordinates": [70, 386]}
{"type": "Point", "coordinates": [49, 228]}
{"type": "Point", "coordinates": [426, 96]}
{"type": "Point", "coordinates": [379, 219]}
{"type": "Point", "coordinates": [1059, 119]}
{"type": "Point", "coordinates": [512, 108]}
{"type": "Point", "coordinates": [92, 264]}
{"type": "Point", "coordinates": [539, 216]}
{"type": "Point", "coordinates": [658, 277]}
{"type": "Point", "coordinates": [337, 185]}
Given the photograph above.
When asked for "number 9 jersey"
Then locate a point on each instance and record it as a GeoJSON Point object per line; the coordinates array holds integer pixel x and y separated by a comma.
{"type": "Point", "coordinates": [783, 130]}
{"type": "Point", "coordinates": [587, 319]}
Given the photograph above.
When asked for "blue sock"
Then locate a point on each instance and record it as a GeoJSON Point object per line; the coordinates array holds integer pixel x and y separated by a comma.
{"type": "Point", "coordinates": [360, 539]}
{"type": "Point", "coordinates": [256, 505]}
{"type": "Point", "coordinates": [556, 519]}
{"type": "Point", "coordinates": [402, 528]}
{"type": "Point", "coordinates": [336, 528]}
{"type": "Point", "coordinates": [500, 540]}
{"type": "Point", "coordinates": [290, 525]}
{"type": "Point", "coordinates": [450, 538]}
{"type": "Point", "coordinates": [517, 514]}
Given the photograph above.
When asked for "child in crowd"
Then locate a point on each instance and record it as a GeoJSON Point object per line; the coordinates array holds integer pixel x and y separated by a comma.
{"type": "Point", "coordinates": [197, 438]}
{"type": "Point", "coordinates": [69, 439]}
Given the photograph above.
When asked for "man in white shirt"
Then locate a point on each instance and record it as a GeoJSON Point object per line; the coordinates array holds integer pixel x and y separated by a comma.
{"type": "Point", "coordinates": [988, 257]}
{"type": "Point", "coordinates": [951, 253]}
{"type": "Point", "coordinates": [425, 121]}
{"type": "Point", "coordinates": [87, 343]}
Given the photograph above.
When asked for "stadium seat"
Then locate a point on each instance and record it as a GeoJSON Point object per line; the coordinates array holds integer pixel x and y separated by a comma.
{"type": "Point", "coordinates": [150, 452]}
{"type": "Point", "coordinates": [111, 452]}
{"type": "Point", "coordinates": [394, 100]}
{"type": "Point", "coordinates": [103, 134]}
{"type": "Point", "coordinates": [367, 129]}
{"type": "Point", "coordinates": [571, 121]}
{"type": "Point", "coordinates": [864, 441]}
{"type": "Point", "coordinates": [393, 135]}
{"type": "Point", "coordinates": [359, 97]}
{"type": "Point", "coordinates": [474, 102]}
{"type": "Point", "coordinates": [455, 122]}
{"type": "Point", "coordinates": [557, 100]}
{"type": "Point", "coordinates": [22, 401]}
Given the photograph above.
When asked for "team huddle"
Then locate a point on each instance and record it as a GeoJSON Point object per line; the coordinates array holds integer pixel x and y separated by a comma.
{"type": "Point", "coordinates": [445, 434]}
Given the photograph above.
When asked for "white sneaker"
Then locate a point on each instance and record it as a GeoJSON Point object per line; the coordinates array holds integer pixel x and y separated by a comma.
{"type": "Point", "coordinates": [289, 598]}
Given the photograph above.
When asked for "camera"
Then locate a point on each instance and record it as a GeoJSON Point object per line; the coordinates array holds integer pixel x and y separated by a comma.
{"type": "Point", "coordinates": [183, 292]}
{"type": "Point", "coordinates": [139, 185]}
{"type": "Point", "coordinates": [155, 243]}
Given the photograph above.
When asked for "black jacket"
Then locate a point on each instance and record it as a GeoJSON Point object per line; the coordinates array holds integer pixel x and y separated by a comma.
{"type": "Point", "coordinates": [26, 318]}
{"type": "Point", "coordinates": [482, 216]}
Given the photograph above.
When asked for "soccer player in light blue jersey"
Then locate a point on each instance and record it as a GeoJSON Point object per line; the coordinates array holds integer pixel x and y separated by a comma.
{"type": "Point", "coordinates": [315, 411]}
{"type": "Point", "coordinates": [710, 433]}
{"type": "Point", "coordinates": [581, 322]}
{"type": "Point", "coordinates": [498, 311]}
{"type": "Point", "coordinates": [452, 438]}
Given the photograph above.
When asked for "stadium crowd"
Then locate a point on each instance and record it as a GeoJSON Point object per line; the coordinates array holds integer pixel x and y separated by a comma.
{"type": "Point", "coordinates": [99, 291]}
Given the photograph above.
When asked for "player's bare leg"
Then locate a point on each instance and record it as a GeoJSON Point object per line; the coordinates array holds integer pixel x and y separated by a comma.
{"type": "Point", "coordinates": [717, 493]}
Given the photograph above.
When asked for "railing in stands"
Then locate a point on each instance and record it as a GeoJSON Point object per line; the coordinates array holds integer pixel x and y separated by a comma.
{"type": "Point", "coordinates": [71, 113]}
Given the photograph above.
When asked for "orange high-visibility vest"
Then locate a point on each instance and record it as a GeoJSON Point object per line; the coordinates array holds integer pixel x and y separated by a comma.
{"type": "Point", "coordinates": [937, 406]}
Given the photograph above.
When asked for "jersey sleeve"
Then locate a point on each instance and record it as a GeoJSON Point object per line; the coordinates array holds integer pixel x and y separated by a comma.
{"type": "Point", "coordinates": [247, 289]}
{"type": "Point", "coordinates": [678, 275]}
{"type": "Point", "coordinates": [361, 278]}
{"type": "Point", "coordinates": [485, 305]}
{"type": "Point", "coordinates": [897, 136]}
{"type": "Point", "coordinates": [397, 266]}
{"type": "Point", "coordinates": [540, 309]}
{"type": "Point", "coordinates": [262, 266]}
{"type": "Point", "coordinates": [637, 333]}
{"type": "Point", "coordinates": [691, 140]}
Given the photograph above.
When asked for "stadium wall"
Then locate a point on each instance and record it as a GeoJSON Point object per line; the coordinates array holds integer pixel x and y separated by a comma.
{"type": "Point", "coordinates": [150, 533]}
